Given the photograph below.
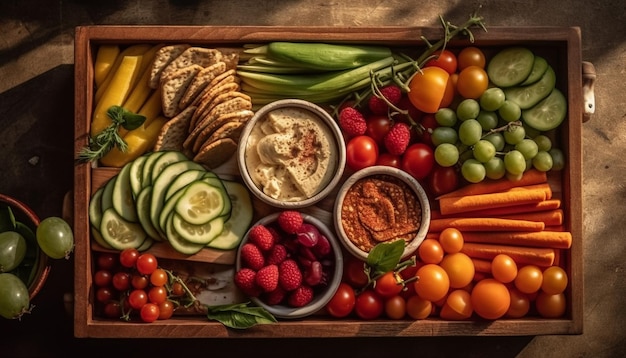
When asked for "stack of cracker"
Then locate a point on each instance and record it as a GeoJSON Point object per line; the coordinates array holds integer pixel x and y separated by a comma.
{"type": "Point", "coordinates": [200, 93]}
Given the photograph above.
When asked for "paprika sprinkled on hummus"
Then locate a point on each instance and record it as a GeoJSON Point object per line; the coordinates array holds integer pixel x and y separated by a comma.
{"type": "Point", "coordinates": [380, 208]}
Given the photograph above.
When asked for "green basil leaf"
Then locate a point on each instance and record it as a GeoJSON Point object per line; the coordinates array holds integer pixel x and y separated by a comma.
{"type": "Point", "coordinates": [240, 316]}
{"type": "Point", "coordinates": [132, 120]}
{"type": "Point", "coordinates": [385, 256]}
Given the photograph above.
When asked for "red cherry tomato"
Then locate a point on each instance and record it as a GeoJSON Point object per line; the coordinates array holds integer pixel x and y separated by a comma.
{"type": "Point", "coordinates": [128, 257]}
{"type": "Point", "coordinates": [429, 123]}
{"type": "Point", "coordinates": [470, 56]}
{"type": "Point", "coordinates": [146, 264]}
{"type": "Point", "coordinates": [369, 305]}
{"type": "Point", "coordinates": [387, 285]}
{"type": "Point", "coordinates": [137, 299]}
{"type": "Point", "coordinates": [343, 301]}
{"type": "Point", "coordinates": [427, 88]}
{"type": "Point", "coordinates": [149, 312]}
{"type": "Point", "coordinates": [361, 152]}
{"type": "Point", "coordinates": [443, 180]}
{"type": "Point", "coordinates": [389, 160]}
{"type": "Point", "coordinates": [445, 59]}
{"type": "Point", "coordinates": [418, 160]}
{"type": "Point", "coordinates": [354, 272]}
{"type": "Point", "coordinates": [377, 127]}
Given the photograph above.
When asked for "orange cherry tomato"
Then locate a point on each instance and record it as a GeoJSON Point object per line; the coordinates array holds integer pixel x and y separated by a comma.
{"type": "Point", "coordinates": [554, 280]}
{"type": "Point", "coordinates": [430, 251]}
{"type": "Point", "coordinates": [550, 306]}
{"type": "Point", "coordinates": [503, 268]}
{"type": "Point", "coordinates": [490, 299]}
{"type": "Point", "coordinates": [460, 269]}
{"type": "Point", "coordinates": [472, 82]}
{"type": "Point", "coordinates": [470, 56]}
{"type": "Point", "coordinates": [395, 307]}
{"type": "Point", "coordinates": [427, 89]}
{"type": "Point", "coordinates": [520, 304]}
{"type": "Point", "coordinates": [432, 282]}
{"type": "Point", "coordinates": [418, 308]}
{"type": "Point", "coordinates": [458, 306]}
{"type": "Point", "coordinates": [529, 279]}
{"type": "Point", "coordinates": [451, 240]}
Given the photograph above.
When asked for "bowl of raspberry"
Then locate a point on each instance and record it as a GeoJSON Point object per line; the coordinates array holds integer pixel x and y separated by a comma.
{"type": "Point", "coordinates": [381, 204]}
{"type": "Point", "coordinates": [289, 263]}
{"type": "Point", "coordinates": [291, 154]}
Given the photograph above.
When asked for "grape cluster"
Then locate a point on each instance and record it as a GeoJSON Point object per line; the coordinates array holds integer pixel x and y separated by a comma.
{"type": "Point", "coordinates": [130, 285]}
{"type": "Point", "coordinates": [487, 138]}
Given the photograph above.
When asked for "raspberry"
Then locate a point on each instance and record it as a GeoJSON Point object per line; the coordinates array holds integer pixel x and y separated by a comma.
{"type": "Point", "coordinates": [398, 138]}
{"type": "Point", "coordinates": [290, 221]}
{"type": "Point", "coordinates": [378, 106]}
{"type": "Point", "coordinates": [267, 278]}
{"type": "Point", "coordinates": [301, 296]}
{"type": "Point", "coordinates": [252, 257]}
{"type": "Point", "coordinates": [289, 275]}
{"type": "Point", "coordinates": [276, 255]}
{"type": "Point", "coordinates": [275, 297]}
{"type": "Point", "coordinates": [245, 280]}
{"type": "Point", "coordinates": [352, 122]}
{"type": "Point", "coordinates": [262, 237]}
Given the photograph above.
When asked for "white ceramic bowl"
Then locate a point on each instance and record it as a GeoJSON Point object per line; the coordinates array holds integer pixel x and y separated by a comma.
{"type": "Point", "coordinates": [321, 298]}
{"type": "Point", "coordinates": [411, 182]}
{"type": "Point", "coordinates": [25, 215]}
{"type": "Point", "coordinates": [337, 146]}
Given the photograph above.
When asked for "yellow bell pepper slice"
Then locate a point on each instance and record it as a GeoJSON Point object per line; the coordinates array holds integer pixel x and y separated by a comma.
{"type": "Point", "coordinates": [133, 50]}
{"type": "Point", "coordinates": [105, 58]}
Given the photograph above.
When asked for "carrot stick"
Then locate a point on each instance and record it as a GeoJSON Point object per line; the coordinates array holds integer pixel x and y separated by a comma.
{"type": "Point", "coordinates": [522, 255]}
{"type": "Point", "coordinates": [492, 186]}
{"type": "Point", "coordinates": [551, 239]}
{"type": "Point", "coordinates": [432, 235]}
{"type": "Point", "coordinates": [482, 265]}
{"type": "Point", "coordinates": [550, 204]}
{"type": "Point", "coordinates": [548, 218]}
{"type": "Point", "coordinates": [454, 205]}
{"type": "Point", "coordinates": [485, 224]}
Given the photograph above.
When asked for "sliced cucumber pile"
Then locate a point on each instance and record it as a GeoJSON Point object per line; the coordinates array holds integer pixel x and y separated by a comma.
{"type": "Point", "coordinates": [164, 196]}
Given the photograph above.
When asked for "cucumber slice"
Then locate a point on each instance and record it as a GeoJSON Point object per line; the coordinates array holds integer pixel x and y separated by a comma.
{"type": "Point", "coordinates": [120, 233]}
{"type": "Point", "coordinates": [163, 180]}
{"type": "Point", "coordinates": [528, 96]}
{"type": "Point", "coordinates": [136, 174]}
{"type": "Point", "coordinates": [197, 234]}
{"type": "Point", "coordinates": [107, 195]}
{"type": "Point", "coordinates": [123, 200]}
{"type": "Point", "coordinates": [214, 180]}
{"type": "Point", "coordinates": [168, 208]}
{"type": "Point", "coordinates": [146, 170]}
{"type": "Point", "coordinates": [540, 66]}
{"type": "Point", "coordinates": [178, 243]}
{"type": "Point", "coordinates": [147, 243]}
{"type": "Point", "coordinates": [97, 237]}
{"type": "Point", "coordinates": [183, 180]}
{"type": "Point", "coordinates": [95, 208]}
{"type": "Point", "coordinates": [143, 214]}
{"type": "Point", "coordinates": [240, 219]}
{"type": "Point", "coordinates": [200, 203]}
{"type": "Point", "coordinates": [167, 158]}
{"type": "Point", "coordinates": [511, 66]}
{"type": "Point", "coordinates": [548, 113]}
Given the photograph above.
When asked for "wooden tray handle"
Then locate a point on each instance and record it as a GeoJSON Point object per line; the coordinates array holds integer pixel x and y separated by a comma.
{"type": "Point", "coordinates": [589, 79]}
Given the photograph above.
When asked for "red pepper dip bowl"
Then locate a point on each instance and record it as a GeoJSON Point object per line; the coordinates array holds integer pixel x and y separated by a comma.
{"type": "Point", "coordinates": [381, 204]}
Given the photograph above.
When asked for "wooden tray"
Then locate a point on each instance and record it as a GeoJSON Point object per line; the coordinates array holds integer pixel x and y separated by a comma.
{"type": "Point", "coordinates": [561, 46]}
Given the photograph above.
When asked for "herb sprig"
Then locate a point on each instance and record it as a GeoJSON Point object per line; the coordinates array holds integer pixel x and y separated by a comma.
{"type": "Point", "coordinates": [110, 137]}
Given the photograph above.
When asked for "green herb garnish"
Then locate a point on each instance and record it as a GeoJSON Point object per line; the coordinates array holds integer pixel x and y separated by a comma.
{"type": "Point", "coordinates": [110, 137]}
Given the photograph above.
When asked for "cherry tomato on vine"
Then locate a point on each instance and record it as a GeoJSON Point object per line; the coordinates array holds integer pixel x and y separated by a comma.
{"type": "Point", "coordinates": [471, 56]}
{"type": "Point", "coordinates": [102, 278]}
{"type": "Point", "coordinates": [157, 294]}
{"type": "Point", "coordinates": [361, 152]}
{"type": "Point", "coordinates": [427, 88]}
{"type": "Point", "coordinates": [104, 294]}
{"type": "Point", "coordinates": [444, 59]}
{"type": "Point", "coordinates": [139, 281]}
{"type": "Point", "coordinates": [443, 180]}
{"type": "Point", "coordinates": [121, 281]}
{"type": "Point", "coordinates": [166, 309]}
{"type": "Point", "coordinates": [387, 285]}
{"type": "Point", "coordinates": [137, 298]}
{"type": "Point", "coordinates": [177, 289]}
{"type": "Point", "coordinates": [113, 309]}
{"type": "Point", "coordinates": [128, 257]}
{"type": "Point", "coordinates": [146, 264]}
{"type": "Point", "coordinates": [377, 127]}
{"type": "Point", "coordinates": [433, 282]}
{"type": "Point", "coordinates": [158, 277]}
{"type": "Point", "coordinates": [418, 160]}
{"type": "Point", "coordinates": [343, 301]}
{"type": "Point", "coordinates": [107, 261]}
{"type": "Point", "coordinates": [354, 272]}
{"type": "Point", "coordinates": [149, 312]}
{"type": "Point", "coordinates": [369, 305]}
{"type": "Point", "coordinates": [472, 82]}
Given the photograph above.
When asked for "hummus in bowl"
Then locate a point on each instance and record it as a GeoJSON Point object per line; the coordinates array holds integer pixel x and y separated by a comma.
{"type": "Point", "coordinates": [291, 153]}
{"type": "Point", "coordinates": [381, 204]}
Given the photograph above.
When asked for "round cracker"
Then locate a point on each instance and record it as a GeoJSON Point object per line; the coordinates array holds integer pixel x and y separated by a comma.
{"type": "Point", "coordinates": [216, 153]}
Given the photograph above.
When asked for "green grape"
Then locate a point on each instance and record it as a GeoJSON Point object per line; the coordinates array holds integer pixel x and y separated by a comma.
{"type": "Point", "coordinates": [492, 99]}
{"type": "Point", "coordinates": [484, 150]}
{"type": "Point", "coordinates": [530, 131]}
{"type": "Point", "coordinates": [494, 168]}
{"type": "Point", "coordinates": [470, 132]}
{"type": "Point", "coordinates": [509, 111]}
{"type": "Point", "coordinates": [468, 109]}
{"type": "Point", "coordinates": [514, 177]}
{"type": "Point", "coordinates": [473, 171]}
{"type": "Point", "coordinates": [14, 297]}
{"type": "Point", "coordinates": [558, 159]}
{"type": "Point", "coordinates": [487, 119]}
{"type": "Point", "coordinates": [543, 161]}
{"type": "Point", "coordinates": [446, 154]}
{"type": "Point", "coordinates": [55, 237]}
{"type": "Point", "coordinates": [515, 162]}
{"type": "Point", "coordinates": [444, 135]}
{"type": "Point", "coordinates": [12, 250]}
{"type": "Point", "coordinates": [497, 139]}
{"type": "Point", "coordinates": [528, 148]}
{"type": "Point", "coordinates": [446, 117]}
{"type": "Point", "coordinates": [543, 142]}
{"type": "Point", "coordinates": [514, 135]}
